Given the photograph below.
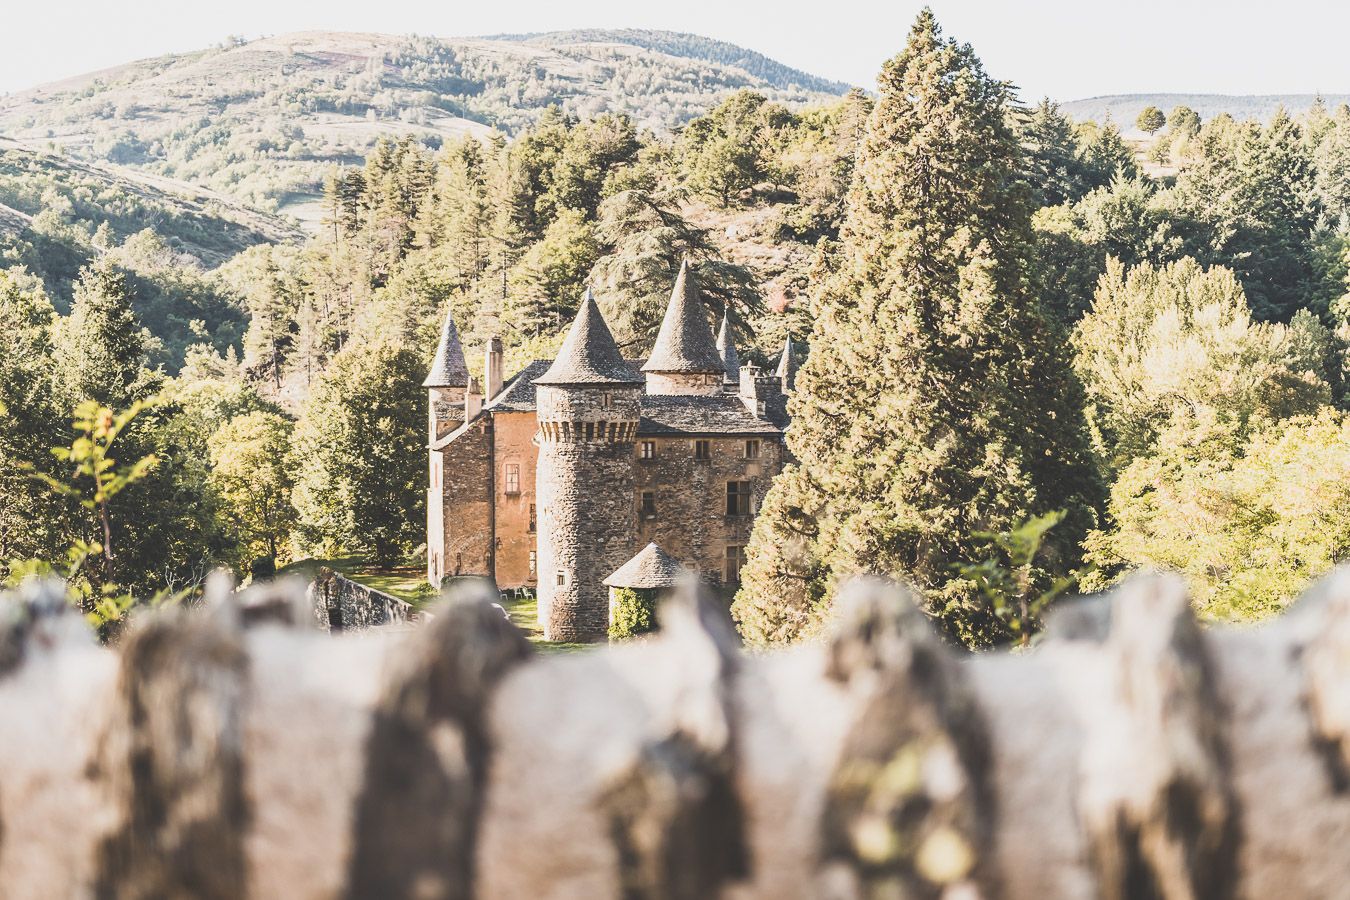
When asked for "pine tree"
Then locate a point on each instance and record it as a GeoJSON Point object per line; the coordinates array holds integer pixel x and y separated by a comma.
{"type": "Point", "coordinates": [1054, 170]}
{"type": "Point", "coordinates": [102, 348]}
{"type": "Point", "coordinates": [30, 524]}
{"type": "Point", "coordinates": [937, 402]}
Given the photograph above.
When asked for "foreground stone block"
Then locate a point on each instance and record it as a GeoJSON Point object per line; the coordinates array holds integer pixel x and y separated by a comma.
{"type": "Point", "coordinates": [235, 751]}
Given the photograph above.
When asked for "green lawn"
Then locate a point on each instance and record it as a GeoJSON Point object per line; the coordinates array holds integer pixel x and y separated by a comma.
{"type": "Point", "coordinates": [408, 582]}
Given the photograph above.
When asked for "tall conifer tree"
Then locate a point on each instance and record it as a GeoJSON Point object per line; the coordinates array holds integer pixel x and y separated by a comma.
{"type": "Point", "coordinates": [937, 401]}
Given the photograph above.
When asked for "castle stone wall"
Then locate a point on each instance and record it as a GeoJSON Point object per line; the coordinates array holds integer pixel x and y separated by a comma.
{"type": "Point", "coordinates": [513, 437]}
{"type": "Point", "coordinates": [466, 505]}
{"type": "Point", "coordinates": [341, 604]}
{"type": "Point", "coordinates": [585, 490]}
{"type": "Point", "coordinates": [691, 521]}
{"type": "Point", "coordinates": [685, 383]}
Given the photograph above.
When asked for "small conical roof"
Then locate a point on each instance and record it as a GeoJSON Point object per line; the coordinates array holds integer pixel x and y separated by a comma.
{"type": "Point", "coordinates": [731, 362]}
{"type": "Point", "coordinates": [589, 354]}
{"type": "Point", "coordinates": [787, 366]}
{"type": "Point", "coordinates": [448, 369]}
{"type": "Point", "coordinates": [651, 568]}
{"type": "Point", "coordinates": [685, 341]}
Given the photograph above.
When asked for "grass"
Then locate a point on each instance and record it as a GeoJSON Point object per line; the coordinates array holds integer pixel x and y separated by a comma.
{"type": "Point", "coordinates": [407, 581]}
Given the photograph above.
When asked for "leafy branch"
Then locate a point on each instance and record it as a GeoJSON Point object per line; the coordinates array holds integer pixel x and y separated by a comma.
{"type": "Point", "coordinates": [1010, 584]}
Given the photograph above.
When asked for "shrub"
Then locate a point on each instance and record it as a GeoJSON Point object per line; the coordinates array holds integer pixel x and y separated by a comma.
{"type": "Point", "coordinates": [634, 613]}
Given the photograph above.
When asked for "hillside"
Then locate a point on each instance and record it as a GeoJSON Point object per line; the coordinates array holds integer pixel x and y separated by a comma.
{"type": "Point", "coordinates": [690, 46]}
{"type": "Point", "coordinates": [263, 121]}
{"type": "Point", "coordinates": [1125, 108]}
{"type": "Point", "coordinates": [205, 225]}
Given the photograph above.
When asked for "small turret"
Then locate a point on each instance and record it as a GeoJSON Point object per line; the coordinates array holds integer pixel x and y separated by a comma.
{"type": "Point", "coordinates": [726, 347]}
{"type": "Point", "coordinates": [685, 358]}
{"type": "Point", "coordinates": [787, 367]}
{"type": "Point", "coordinates": [447, 384]}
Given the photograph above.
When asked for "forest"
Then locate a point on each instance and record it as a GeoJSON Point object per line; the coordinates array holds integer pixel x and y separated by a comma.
{"type": "Point", "coordinates": [1035, 356]}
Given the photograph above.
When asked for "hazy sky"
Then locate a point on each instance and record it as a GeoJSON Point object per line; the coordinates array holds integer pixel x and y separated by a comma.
{"type": "Point", "coordinates": [1067, 49]}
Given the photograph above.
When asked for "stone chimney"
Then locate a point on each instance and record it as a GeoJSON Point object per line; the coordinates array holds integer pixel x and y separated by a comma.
{"type": "Point", "coordinates": [492, 369]}
{"type": "Point", "coordinates": [473, 400]}
{"type": "Point", "coordinates": [758, 388]}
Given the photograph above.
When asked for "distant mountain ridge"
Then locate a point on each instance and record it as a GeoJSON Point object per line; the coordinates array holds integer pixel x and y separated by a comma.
{"type": "Point", "coordinates": [1125, 108]}
{"type": "Point", "coordinates": [264, 121]}
{"type": "Point", "coordinates": [688, 46]}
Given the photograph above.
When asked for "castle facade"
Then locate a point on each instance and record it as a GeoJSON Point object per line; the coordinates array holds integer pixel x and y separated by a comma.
{"type": "Point", "coordinates": [556, 477]}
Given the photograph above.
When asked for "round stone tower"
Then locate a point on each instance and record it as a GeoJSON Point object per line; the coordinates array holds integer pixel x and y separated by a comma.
{"type": "Point", "coordinates": [588, 409]}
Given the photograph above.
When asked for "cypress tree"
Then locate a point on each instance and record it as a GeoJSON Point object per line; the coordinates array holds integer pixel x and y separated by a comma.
{"type": "Point", "coordinates": [937, 401]}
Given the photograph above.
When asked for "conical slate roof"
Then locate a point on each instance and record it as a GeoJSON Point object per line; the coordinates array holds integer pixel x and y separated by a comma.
{"type": "Point", "coordinates": [651, 568]}
{"type": "Point", "coordinates": [448, 369]}
{"type": "Point", "coordinates": [685, 342]}
{"type": "Point", "coordinates": [787, 366]}
{"type": "Point", "coordinates": [589, 354]}
{"type": "Point", "coordinates": [726, 347]}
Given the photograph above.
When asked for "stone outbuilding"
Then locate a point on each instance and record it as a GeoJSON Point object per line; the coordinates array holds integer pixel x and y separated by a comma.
{"type": "Point", "coordinates": [653, 573]}
{"type": "Point", "coordinates": [653, 569]}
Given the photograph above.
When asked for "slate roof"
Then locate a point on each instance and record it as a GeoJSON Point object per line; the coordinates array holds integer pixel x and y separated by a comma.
{"type": "Point", "coordinates": [589, 354]}
{"type": "Point", "coordinates": [651, 568]}
{"type": "Point", "coordinates": [685, 341]}
{"type": "Point", "coordinates": [674, 415]}
{"type": "Point", "coordinates": [726, 347]}
{"type": "Point", "coordinates": [787, 366]}
{"type": "Point", "coordinates": [448, 369]}
{"type": "Point", "coordinates": [518, 394]}
{"type": "Point", "coordinates": [663, 415]}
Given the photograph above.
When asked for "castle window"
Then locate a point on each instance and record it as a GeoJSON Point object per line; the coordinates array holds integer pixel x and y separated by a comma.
{"type": "Point", "coordinates": [511, 477]}
{"type": "Point", "coordinates": [562, 578]}
{"type": "Point", "coordinates": [647, 450]}
{"type": "Point", "coordinates": [702, 449]}
{"type": "Point", "coordinates": [534, 563]}
{"type": "Point", "coordinates": [533, 527]}
{"type": "Point", "coordinates": [738, 498]}
{"type": "Point", "coordinates": [606, 400]}
{"type": "Point", "coordinates": [647, 506]}
{"type": "Point", "coordinates": [590, 431]}
{"type": "Point", "coordinates": [735, 562]}
{"type": "Point", "coordinates": [752, 449]}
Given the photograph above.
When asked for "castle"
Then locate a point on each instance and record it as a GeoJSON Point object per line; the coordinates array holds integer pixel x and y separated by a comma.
{"type": "Point", "coordinates": [555, 478]}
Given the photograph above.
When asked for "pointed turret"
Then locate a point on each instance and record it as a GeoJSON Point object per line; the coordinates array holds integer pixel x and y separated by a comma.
{"type": "Point", "coordinates": [589, 354]}
{"type": "Point", "coordinates": [448, 369]}
{"type": "Point", "coordinates": [787, 367]}
{"type": "Point", "coordinates": [685, 359]}
{"type": "Point", "coordinates": [588, 406]}
{"type": "Point", "coordinates": [726, 346]}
